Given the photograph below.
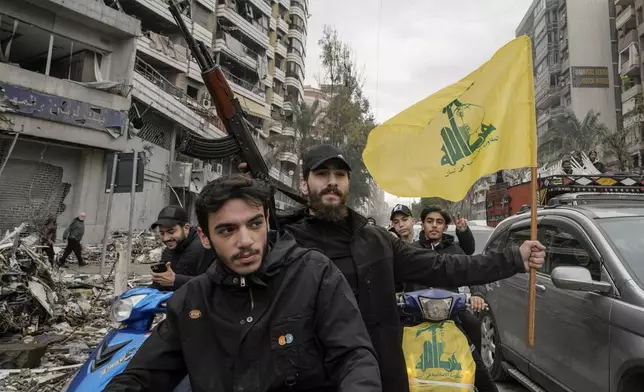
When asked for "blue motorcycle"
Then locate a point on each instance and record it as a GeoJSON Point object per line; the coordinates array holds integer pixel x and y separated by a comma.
{"type": "Point", "coordinates": [437, 352]}
{"type": "Point", "coordinates": [136, 310]}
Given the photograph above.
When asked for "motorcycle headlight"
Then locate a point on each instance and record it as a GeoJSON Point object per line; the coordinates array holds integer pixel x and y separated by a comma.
{"type": "Point", "coordinates": [122, 307]}
{"type": "Point", "coordinates": [436, 309]}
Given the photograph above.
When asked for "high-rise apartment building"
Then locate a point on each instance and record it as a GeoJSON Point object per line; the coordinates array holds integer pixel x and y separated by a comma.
{"type": "Point", "coordinates": [573, 59]}
{"type": "Point", "coordinates": [82, 79]}
{"type": "Point", "coordinates": [628, 23]}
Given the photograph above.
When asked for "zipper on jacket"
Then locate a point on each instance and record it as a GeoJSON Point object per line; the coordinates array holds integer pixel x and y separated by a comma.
{"type": "Point", "coordinates": [242, 282]}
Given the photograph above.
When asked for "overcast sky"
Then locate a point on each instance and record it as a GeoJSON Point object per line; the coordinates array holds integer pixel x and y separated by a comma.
{"type": "Point", "coordinates": [424, 45]}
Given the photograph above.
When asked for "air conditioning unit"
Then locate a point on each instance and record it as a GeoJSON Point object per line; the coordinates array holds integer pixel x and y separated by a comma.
{"type": "Point", "coordinates": [219, 169]}
{"type": "Point", "coordinates": [206, 102]}
{"type": "Point", "coordinates": [180, 173]}
{"type": "Point", "coordinates": [197, 165]}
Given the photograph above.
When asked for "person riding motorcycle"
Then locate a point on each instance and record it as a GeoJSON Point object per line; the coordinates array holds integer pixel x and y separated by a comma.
{"type": "Point", "coordinates": [373, 261]}
{"type": "Point", "coordinates": [267, 316]}
{"type": "Point", "coordinates": [435, 221]}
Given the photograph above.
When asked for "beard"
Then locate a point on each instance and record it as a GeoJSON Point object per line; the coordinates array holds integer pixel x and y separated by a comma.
{"type": "Point", "coordinates": [329, 212]}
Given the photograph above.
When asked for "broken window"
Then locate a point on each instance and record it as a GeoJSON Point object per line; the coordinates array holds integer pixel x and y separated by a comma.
{"type": "Point", "coordinates": [32, 48]}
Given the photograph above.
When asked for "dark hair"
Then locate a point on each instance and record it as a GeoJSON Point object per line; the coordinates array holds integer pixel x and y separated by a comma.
{"type": "Point", "coordinates": [235, 186]}
{"type": "Point", "coordinates": [429, 209]}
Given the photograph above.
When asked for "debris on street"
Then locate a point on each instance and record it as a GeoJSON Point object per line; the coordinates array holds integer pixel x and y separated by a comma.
{"type": "Point", "coordinates": [51, 318]}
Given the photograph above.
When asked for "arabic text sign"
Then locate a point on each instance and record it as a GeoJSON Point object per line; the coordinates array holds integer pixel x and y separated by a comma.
{"type": "Point", "coordinates": [64, 110]}
{"type": "Point", "coordinates": [590, 77]}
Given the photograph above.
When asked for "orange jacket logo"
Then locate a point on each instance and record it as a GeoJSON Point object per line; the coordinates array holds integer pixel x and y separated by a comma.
{"type": "Point", "coordinates": [195, 314]}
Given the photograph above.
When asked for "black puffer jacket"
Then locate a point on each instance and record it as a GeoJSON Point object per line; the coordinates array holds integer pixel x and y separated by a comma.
{"type": "Point", "coordinates": [187, 260]}
{"type": "Point", "coordinates": [383, 261]}
{"type": "Point", "coordinates": [292, 326]}
{"type": "Point", "coordinates": [448, 246]}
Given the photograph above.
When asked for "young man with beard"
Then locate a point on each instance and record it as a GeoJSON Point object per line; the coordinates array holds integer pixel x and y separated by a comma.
{"type": "Point", "coordinates": [267, 316]}
{"type": "Point", "coordinates": [434, 222]}
{"type": "Point", "coordinates": [184, 254]}
{"type": "Point", "coordinates": [373, 261]}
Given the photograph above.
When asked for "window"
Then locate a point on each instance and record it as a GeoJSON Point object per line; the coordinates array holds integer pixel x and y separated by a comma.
{"type": "Point", "coordinates": [498, 243]}
{"type": "Point", "coordinates": [564, 249]}
{"type": "Point", "coordinates": [518, 237]}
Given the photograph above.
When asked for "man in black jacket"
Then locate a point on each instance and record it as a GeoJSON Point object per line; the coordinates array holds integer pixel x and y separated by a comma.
{"type": "Point", "coordinates": [184, 254]}
{"type": "Point", "coordinates": [373, 261]}
{"type": "Point", "coordinates": [267, 316]}
{"type": "Point", "coordinates": [434, 223]}
{"type": "Point", "coordinates": [74, 235]}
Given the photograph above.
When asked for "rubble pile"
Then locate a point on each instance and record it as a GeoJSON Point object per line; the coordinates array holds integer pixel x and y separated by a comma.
{"type": "Point", "coordinates": [145, 247]}
{"type": "Point", "coordinates": [51, 320]}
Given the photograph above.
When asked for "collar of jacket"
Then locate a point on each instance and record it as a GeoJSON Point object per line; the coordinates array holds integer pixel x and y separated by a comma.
{"type": "Point", "coordinates": [446, 241]}
{"type": "Point", "coordinates": [280, 245]}
{"type": "Point", "coordinates": [192, 235]}
{"type": "Point", "coordinates": [357, 221]}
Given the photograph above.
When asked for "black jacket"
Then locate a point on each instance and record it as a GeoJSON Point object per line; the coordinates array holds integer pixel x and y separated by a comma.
{"type": "Point", "coordinates": [187, 260]}
{"type": "Point", "coordinates": [75, 231]}
{"type": "Point", "coordinates": [466, 242]}
{"type": "Point", "coordinates": [383, 261]}
{"type": "Point", "coordinates": [293, 322]}
{"type": "Point", "coordinates": [448, 246]}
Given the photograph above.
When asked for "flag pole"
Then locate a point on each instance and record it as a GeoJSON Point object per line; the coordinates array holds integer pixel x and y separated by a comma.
{"type": "Point", "coordinates": [532, 293]}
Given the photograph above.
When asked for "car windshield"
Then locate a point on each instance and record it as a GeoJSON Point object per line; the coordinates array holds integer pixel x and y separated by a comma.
{"type": "Point", "coordinates": [626, 235]}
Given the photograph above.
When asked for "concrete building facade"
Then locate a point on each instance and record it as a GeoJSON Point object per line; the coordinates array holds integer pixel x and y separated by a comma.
{"type": "Point", "coordinates": [628, 27]}
{"type": "Point", "coordinates": [573, 59]}
{"type": "Point", "coordinates": [81, 80]}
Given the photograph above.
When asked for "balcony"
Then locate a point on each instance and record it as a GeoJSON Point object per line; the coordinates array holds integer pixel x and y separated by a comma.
{"type": "Point", "coordinates": [294, 82]}
{"type": "Point", "coordinates": [630, 93]}
{"type": "Point", "coordinates": [278, 100]}
{"type": "Point", "coordinates": [288, 157]}
{"type": "Point", "coordinates": [562, 4]}
{"type": "Point", "coordinates": [235, 49]}
{"type": "Point", "coordinates": [282, 24]}
{"type": "Point", "coordinates": [263, 6]}
{"type": "Point", "coordinates": [626, 18]}
{"type": "Point", "coordinates": [285, 3]}
{"type": "Point", "coordinates": [279, 75]}
{"type": "Point", "coordinates": [297, 9]}
{"type": "Point", "coordinates": [288, 106]}
{"type": "Point", "coordinates": [245, 88]}
{"type": "Point", "coordinates": [629, 38]}
{"type": "Point", "coordinates": [160, 8]}
{"type": "Point", "coordinates": [151, 87]}
{"type": "Point", "coordinates": [296, 33]}
{"type": "Point", "coordinates": [276, 127]}
{"type": "Point", "coordinates": [565, 65]}
{"type": "Point", "coordinates": [194, 72]}
{"type": "Point", "coordinates": [173, 56]}
{"type": "Point", "coordinates": [288, 131]}
{"type": "Point", "coordinates": [281, 49]}
{"type": "Point", "coordinates": [270, 52]}
{"type": "Point", "coordinates": [255, 32]}
{"type": "Point", "coordinates": [295, 56]}
{"type": "Point", "coordinates": [629, 61]}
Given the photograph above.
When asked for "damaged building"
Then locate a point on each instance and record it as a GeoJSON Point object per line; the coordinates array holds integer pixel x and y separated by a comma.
{"type": "Point", "coordinates": [83, 79]}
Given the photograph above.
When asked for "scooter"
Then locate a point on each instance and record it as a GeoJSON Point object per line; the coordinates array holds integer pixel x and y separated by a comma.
{"type": "Point", "coordinates": [437, 352]}
{"type": "Point", "coordinates": [138, 310]}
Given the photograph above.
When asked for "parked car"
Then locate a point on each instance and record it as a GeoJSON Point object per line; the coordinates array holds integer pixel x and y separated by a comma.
{"type": "Point", "coordinates": [589, 328]}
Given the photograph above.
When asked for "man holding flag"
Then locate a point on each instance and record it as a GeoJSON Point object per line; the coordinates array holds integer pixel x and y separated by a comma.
{"type": "Point", "coordinates": [371, 259]}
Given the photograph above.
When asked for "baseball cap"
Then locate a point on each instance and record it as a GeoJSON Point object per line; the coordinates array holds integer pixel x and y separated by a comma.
{"type": "Point", "coordinates": [400, 208]}
{"type": "Point", "coordinates": [318, 155]}
{"type": "Point", "coordinates": [171, 216]}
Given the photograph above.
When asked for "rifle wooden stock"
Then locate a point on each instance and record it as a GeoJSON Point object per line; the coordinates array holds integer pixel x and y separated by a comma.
{"type": "Point", "coordinates": [220, 91]}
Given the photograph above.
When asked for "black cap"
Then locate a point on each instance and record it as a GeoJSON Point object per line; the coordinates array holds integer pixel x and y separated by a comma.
{"type": "Point", "coordinates": [320, 154]}
{"type": "Point", "coordinates": [400, 208]}
{"type": "Point", "coordinates": [171, 216]}
{"type": "Point", "coordinates": [372, 220]}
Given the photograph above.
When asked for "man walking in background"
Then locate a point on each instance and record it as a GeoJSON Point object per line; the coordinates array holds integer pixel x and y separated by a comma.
{"type": "Point", "coordinates": [73, 235]}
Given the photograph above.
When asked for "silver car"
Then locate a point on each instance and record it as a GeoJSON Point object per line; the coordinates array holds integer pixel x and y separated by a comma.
{"type": "Point", "coordinates": [589, 328]}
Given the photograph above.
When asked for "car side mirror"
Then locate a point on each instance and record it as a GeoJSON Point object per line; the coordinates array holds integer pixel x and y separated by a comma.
{"type": "Point", "coordinates": [577, 279]}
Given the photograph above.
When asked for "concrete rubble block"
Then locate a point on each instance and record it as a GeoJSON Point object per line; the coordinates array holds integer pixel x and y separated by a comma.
{"type": "Point", "coordinates": [20, 356]}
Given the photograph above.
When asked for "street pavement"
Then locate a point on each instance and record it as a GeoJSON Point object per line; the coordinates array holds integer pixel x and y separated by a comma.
{"type": "Point", "coordinates": [511, 387]}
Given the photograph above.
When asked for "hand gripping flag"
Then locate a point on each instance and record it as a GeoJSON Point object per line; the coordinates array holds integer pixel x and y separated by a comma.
{"type": "Point", "coordinates": [482, 124]}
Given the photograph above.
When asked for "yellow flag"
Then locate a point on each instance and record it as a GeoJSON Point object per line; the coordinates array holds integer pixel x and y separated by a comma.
{"type": "Point", "coordinates": [482, 124]}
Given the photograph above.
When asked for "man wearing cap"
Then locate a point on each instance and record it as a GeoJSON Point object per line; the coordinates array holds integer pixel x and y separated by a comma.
{"type": "Point", "coordinates": [402, 222]}
{"type": "Point", "coordinates": [373, 261]}
{"type": "Point", "coordinates": [184, 254]}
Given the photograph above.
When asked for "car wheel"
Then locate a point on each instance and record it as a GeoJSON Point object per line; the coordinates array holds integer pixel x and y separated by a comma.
{"type": "Point", "coordinates": [491, 347]}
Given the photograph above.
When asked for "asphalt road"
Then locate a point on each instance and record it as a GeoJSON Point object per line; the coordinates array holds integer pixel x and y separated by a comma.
{"type": "Point", "coordinates": [511, 387]}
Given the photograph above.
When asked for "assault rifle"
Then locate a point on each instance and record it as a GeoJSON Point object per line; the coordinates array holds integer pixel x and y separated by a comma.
{"type": "Point", "coordinates": [239, 141]}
